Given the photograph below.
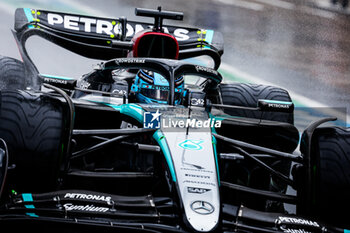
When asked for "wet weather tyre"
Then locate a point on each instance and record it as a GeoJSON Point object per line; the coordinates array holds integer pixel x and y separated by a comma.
{"type": "Point", "coordinates": [330, 182]}
{"type": "Point", "coordinates": [32, 125]}
{"type": "Point", "coordinates": [12, 74]}
{"type": "Point", "coordinates": [247, 95]}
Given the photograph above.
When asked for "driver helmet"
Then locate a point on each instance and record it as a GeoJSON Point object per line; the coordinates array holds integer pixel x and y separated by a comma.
{"type": "Point", "coordinates": [151, 87]}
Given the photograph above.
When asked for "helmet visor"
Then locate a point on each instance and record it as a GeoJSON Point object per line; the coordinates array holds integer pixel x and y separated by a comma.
{"type": "Point", "coordinates": [155, 94]}
{"type": "Point", "coordinates": [159, 93]}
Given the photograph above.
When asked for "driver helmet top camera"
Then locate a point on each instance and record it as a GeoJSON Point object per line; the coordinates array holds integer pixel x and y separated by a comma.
{"type": "Point", "coordinates": [151, 87]}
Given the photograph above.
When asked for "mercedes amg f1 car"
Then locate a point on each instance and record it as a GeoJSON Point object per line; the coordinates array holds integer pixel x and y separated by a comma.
{"type": "Point", "coordinates": [152, 141]}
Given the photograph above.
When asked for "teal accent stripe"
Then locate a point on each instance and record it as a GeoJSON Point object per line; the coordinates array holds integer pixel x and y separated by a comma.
{"type": "Point", "coordinates": [57, 77]}
{"type": "Point", "coordinates": [346, 231]}
{"type": "Point", "coordinates": [28, 13]}
{"type": "Point", "coordinates": [159, 137]}
{"type": "Point", "coordinates": [213, 130]}
{"type": "Point", "coordinates": [134, 111]}
{"type": "Point", "coordinates": [131, 110]}
{"type": "Point", "coordinates": [209, 36]}
{"type": "Point", "coordinates": [216, 159]}
{"type": "Point", "coordinates": [277, 101]}
{"type": "Point", "coordinates": [27, 197]}
{"type": "Point", "coordinates": [32, 215]}
{"type": "Point", "coordinates": [29, 206]}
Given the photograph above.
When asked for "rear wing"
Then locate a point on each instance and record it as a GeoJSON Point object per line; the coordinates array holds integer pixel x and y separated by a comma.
{"type": "Point", "coordinates": [106, 38]}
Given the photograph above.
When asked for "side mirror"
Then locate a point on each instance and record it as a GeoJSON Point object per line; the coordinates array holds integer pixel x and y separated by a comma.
{"type": "Point", "coordinates": [3, 164]}
{"type": "Point", "coordinates": [275, 106]}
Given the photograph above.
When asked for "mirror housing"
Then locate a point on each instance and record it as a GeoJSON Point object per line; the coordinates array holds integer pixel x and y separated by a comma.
{"type": "Point", "coordinates": [275, 106]}
{"type": "Point", "coordinates": [57, 81]}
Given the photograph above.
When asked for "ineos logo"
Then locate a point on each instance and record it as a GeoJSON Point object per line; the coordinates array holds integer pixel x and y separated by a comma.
{"type": "Point", "coordinates": [119, 92]}
{"type": "Point", "coordinates": [195, 101]}
{"type": "Point", "coordinates": [202, 207]}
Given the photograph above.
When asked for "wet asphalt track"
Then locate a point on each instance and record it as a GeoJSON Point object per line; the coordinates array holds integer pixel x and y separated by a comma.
{"type": "Point", "coordinates": [286, 43]}
{"type": "Point", "coordinates": [291, 44]}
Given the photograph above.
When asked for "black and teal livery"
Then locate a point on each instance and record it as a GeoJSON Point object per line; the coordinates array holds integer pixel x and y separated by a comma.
{"type": "Point", "coordinates": [76, 155]}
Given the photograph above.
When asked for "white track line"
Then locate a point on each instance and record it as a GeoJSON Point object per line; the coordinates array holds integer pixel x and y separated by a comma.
{"type": "Point", "coordinates": [278, 3]}
{"type": "Point", "coordinates": [307, 102]}
{"type": "Point", "coordinates": [318, 12]}
{"type": "Point", "coordinates": [253, 79]}
{"type": "Point", "coordinates": [85, 8]}
{"type": "Point", "coordinates": [243, 4]}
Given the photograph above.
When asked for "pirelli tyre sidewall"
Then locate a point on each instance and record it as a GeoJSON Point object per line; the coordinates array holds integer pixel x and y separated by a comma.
{"type": "Point", "coordinates": [330, 175]}
{"type": "Point", "coordinates": [32, 126]}
{"type": "Point", "coordinates": [12, 74]}
{"type": "Point", "coordinates": [247, 95]}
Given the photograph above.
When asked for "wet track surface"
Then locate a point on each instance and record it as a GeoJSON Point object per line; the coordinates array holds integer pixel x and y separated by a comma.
{"type": "Point", "coordinates": [291, 44]}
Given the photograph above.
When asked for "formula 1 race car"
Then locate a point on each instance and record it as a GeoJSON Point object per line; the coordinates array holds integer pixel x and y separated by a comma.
{"type": "Point", "coordinates": [151, 141]}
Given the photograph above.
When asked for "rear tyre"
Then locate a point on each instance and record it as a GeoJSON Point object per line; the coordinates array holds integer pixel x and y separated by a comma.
{"type": "Point", "coordinates": [12, 74]}
{"type": "Point", "coordinates": [32, 125]}
{"type": "Point", "coordinates": [330, 175]}
{"type": "Point", "coordinates": [247, 95]}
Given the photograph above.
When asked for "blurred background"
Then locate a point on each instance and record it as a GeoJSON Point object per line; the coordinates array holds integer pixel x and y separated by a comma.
{"type": "Point", "coordinates": [300, 45]}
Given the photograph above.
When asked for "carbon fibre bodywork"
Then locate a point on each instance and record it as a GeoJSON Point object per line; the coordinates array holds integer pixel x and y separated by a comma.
{"type": "Point", "coordinates": [136, 167]}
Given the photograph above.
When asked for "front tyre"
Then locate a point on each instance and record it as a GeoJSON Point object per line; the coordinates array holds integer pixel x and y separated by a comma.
{"type": "Point", "coordinates": [31, 125]}
{"type": "Point", "coordinates": [329, 190]}
{"type": "Point", "coordinates": [247, 95]}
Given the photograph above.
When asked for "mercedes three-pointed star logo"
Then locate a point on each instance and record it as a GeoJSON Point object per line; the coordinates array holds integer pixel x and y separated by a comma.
{"type": "Point", "coordinates": [202, 207]}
